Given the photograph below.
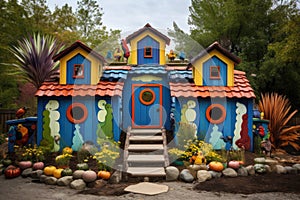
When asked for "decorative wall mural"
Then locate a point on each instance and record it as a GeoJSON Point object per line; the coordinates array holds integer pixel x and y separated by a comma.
{"type": "Point", "coordinates": [240, 111]}
{"type": "Point", "coordinates": [244, 141]}
{"type": "Point", "coordinates": [51, 125]}
{"type": "Point", "coordinates": [77, 139]}
{"type": "Point", "coordinates": [102, 112]}
{"type": "Point", "coordinates": [188, 114]}
{"type": "Point", "coordinates": [105, 126]}
{"type": "Point", "coordinates": [216, 138]}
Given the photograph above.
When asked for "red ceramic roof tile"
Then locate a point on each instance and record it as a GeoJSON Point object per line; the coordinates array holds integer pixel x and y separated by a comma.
{"type": "Point", "coordinates": [241, 89]}
{"type": "Point", "coordinates": [103, 88]}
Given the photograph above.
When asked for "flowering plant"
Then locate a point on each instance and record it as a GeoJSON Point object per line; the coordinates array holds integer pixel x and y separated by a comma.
{"type": "Point", "coordinates": [63, 159]}
{"type": "Point", "coordinates": [175, 154]}
{"type": "Point", "coordinates": [29, 153]}
{"type": "Point", "coordinates": [194, 146]}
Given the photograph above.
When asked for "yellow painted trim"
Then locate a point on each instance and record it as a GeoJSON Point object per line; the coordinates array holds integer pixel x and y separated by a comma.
{"type": "Point", "coordinates": [198, 65]}
{"type": "Point", "coordinates": [96, 71]}
{"type": "Point", "coordinates": [134, 42]}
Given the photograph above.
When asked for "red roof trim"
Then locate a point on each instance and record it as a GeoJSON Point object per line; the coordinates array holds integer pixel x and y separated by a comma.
{"type": "Point", "coordinates": [103, 88]}
{"type": "Point", "coordinates": [145, 28]}
{"type": "Point", "coordinates": [74, 46]}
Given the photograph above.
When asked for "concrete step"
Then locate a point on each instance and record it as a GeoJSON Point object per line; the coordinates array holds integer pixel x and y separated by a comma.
{"type": "Point", "coordinates": [146, 171]}
{"type": "Point", "coordinates": [144, 138]}
{"type": "Point", "coordinates": [145, 131]}
{"type": "Point", "coordinates": [145, 147]}
{"type": "Point", "coordinates": [142, 158]}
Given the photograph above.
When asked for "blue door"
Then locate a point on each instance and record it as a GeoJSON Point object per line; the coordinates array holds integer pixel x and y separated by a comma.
{"type": "Point", "coordinates": [148, 51]}
{"type": "Point", "coordinates": [146, 106]}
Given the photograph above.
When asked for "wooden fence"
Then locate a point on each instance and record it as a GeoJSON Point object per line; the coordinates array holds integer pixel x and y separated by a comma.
{"type": "Point", "coordinates": [6, 114]}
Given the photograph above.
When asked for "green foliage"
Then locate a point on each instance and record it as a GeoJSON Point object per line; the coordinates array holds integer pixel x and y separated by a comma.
{"type": "Point", "coordinates": [185, 133]}
{"type": "Point", "coordinates": [63, 159]}
{"type": "Point", "coordinates": [175, 154]}
{"type": "Point", "coordinates": [109, 153]}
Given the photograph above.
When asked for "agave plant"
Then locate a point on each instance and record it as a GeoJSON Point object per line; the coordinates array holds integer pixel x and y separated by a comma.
{"type": "Point", "coordinates": [34, 57]}
{"type": "Point", "coordinates": [277, 109]}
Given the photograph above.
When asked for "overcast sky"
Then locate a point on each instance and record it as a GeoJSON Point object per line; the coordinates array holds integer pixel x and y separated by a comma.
{"type": "Point", "coordinates": [131, 15]}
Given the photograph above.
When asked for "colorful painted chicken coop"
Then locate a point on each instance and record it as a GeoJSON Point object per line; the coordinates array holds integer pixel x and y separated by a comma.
{"type": "Point", "coordinates": [90, 100]}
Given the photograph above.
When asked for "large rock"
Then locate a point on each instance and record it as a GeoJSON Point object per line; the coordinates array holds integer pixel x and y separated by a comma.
{"type": "Point", "coordinates": [229, 172]}
{"type": "Point", "coordinates": [51, 180]}
{"type": "Point", "coordinates": [250, 170]}
{"type": "Point", "coordinates": [271, 162]}
{"type": "Point", "coordinates": [203, 175]}
{"type": "Point", "coordinates": [116, 177]}
{"type": "Point", "coordinates": [172, 173]}
{"type": "Point", "coordinates": [260, 160]}
{"type": "Point", "coordinates": [260, 168]}
{"type": "Point", "coordinates": [197, 167]}
{"type": "Point", "coordinates": [242, 171]}
{"type": "Point", "coordinates": [65, 181]}
{"type": "Point", "coordinates": [37, 174]}
{"type": "Point", "coordinates": [279, 169]}
{"type": "Point", "coordinates": [297, 166]}
{"type": "Point", "coordinates": [43, 178]}
{"type": "Point", "coordinates": [26, 172]}
{"type": "Point", "coordinates": [215, 174]}
{"type": "Point", "coordinates": [268, 169]}
{"type": "Point", "coordinates": [77, 174]}
{"type": "Point", "coordinates": [186, 176]}
{"type": "Point", "coordinates": [78, 184]}
{"type": "Point", "coordinates": [290, 170]}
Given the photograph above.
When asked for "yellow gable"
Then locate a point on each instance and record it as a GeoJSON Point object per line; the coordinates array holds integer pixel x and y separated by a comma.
{"type": "Point", "coordinates": [198, 67]}
{"type": "Point", "coordinates": [96, 65]}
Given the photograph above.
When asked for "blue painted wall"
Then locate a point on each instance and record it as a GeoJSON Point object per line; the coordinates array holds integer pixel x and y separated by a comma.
{"type": "Point", "coordinates": [205, 127]}
{"type": "Point", "coordinates": [214, 61]}
{"type": "Point", "coordinates": [148, 42]}
{"type": "Point", "coordinates": [79, 59]}
{"type": "Point", "coordinates": [89, 127]}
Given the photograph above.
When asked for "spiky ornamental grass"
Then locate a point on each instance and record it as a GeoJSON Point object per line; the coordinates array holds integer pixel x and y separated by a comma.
{"type": "Point", "coordinates": [34, 57]}
{"type": "Point", "coordinates": [277, 109]}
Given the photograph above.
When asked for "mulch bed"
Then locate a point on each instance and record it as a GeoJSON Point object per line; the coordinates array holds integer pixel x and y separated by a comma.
{"type": "Point", "coordinates": [253, 184]}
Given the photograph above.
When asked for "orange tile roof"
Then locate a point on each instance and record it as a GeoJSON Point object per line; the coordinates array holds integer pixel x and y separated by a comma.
{"type": "Point", "coordinates": [103, 88]}
{"type": "Point", "coordinates": [241, 89]}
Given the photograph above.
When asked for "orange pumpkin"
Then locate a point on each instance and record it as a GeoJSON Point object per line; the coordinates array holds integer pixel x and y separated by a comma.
{"type": "Point", "coordinates": [49, 170]}
{"type": "Point", "coordinates": [104, 175]}
{"type": "Point", "coordinates": [12, 172]}
{"type": "Point", "coordinates": [216, 166]}
{"type": "Point", "coordinates": [57, 173]}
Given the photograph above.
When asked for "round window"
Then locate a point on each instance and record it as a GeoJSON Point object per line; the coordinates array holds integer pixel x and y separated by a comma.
{"type": "Point", "coordinates": [216, 113]}
{"type": "Point", "coordinates": [147, 96]}
{"type": "Point", "coordinates": [77, 113]}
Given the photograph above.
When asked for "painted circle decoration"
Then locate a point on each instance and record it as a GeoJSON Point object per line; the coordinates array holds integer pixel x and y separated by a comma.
{"type": "Point", "coordinates": [215, 113]}
{"type": "Point", "coordinates": [77, 113]}
{"type": "Point", "coordinates": [147, 96]}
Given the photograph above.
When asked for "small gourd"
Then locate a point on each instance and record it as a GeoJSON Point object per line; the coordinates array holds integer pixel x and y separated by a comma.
{"type": "Point", "coordinates": [38, 166]}
{"type": "Point", "coordinates": [49, 170]}
{"type": "Point", "coordinates": [234, 164]}
{"type": "Point", "coordinates": [57, 173]}
{"type": "Point", "coordinates": [89, 176]}
{"type": "Point", "coordinates": [67, 172]}
{"type": "Point", "coordinates": [216, 166]}
{"type": "Point", "coordinates": [82, 166]}
{"type": "Point", "coordinates": [104, 175]}
{"type": "Point", "coordinates": [25, 164]}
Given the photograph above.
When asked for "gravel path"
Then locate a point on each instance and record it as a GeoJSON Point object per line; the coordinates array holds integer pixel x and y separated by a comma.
{"type": "Point", "coordinates": [25, 189]}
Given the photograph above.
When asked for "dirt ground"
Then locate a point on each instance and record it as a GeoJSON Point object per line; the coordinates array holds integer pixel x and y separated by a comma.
{"type": "Point", "coordinates": [267, 186]}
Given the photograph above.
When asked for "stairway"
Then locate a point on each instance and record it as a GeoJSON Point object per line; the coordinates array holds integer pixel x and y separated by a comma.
{"type": "Point", "coordinates": [145, 152]}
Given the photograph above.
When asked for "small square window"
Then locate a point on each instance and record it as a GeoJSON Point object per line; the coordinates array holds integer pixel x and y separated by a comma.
{"type": "Point", "coordinates": [78, 71]}
{"type": "Point", "coordinates": [215, 72]}
{"type": "Point", "coordinates": [148, 52]}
